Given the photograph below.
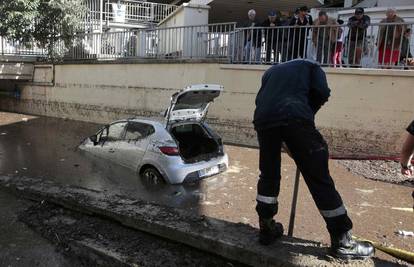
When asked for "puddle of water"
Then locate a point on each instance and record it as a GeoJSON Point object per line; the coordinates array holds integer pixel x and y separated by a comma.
{"type": "Point", "coordinates": [53, 155]}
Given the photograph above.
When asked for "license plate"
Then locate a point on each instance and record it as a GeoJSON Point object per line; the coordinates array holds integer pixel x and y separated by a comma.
{"type": "Point", "coordinates": [209, 171]}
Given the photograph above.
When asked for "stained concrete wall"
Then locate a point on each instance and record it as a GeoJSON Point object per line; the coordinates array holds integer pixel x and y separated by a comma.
{"type": "Point", "coordinates": [16, 70]}
{"type": "Point", "coordinates": [366, 114]}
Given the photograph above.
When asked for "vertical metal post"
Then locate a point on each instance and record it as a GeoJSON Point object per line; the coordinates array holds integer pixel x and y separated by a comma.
{"type": "Point", "coordinates": [233, 40]}
{"type": "Point", "coordinates": [152, 14]}
{"type": "Point", "coordinates": [294, 202]}
{"type": "Point", "coordinates": [101, 7]}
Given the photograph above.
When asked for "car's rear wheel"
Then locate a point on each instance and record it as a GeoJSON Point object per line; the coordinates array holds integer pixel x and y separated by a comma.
{"type": "Point", "coordinates": [152, 176]}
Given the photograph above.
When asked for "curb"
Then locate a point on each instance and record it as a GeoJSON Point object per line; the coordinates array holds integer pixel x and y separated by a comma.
{"type": "Point", "coordinates": [234, 241]}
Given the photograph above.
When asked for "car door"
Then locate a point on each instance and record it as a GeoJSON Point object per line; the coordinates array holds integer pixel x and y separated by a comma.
{"type": "Point", "coordinates": [134, 145]}
{"type": "Point", "coordinates": [109, 141]}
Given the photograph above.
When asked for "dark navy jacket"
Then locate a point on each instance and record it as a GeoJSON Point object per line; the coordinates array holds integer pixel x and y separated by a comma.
{"type": "Point", "coordinates": [292, 90]}
{"type": "Point", "coordinates": [410, 128]}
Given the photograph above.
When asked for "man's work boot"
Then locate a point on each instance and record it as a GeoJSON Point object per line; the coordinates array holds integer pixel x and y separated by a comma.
{"type": "Point", "coordinates": [344, 247]}
{"type": "Point", "coordinates": [269, 231]}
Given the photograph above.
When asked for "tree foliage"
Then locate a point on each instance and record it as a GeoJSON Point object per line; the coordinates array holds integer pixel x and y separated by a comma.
{"type": "Point", "coordinates": [59, 20]}
{"type": "Point", "coordinates": [17, 17]}
{"type": "Point", "coordinates": [50, 23]}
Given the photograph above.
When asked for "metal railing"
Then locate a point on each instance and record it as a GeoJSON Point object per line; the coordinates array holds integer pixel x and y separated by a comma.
{"type": "Point", "coordinates": [378, 46]}
{"type": "Point", "coordinates": [14, 48]}
{"type": "Point", "coordinates": [189, 42]}
{"type": "Point", "coordinates": [130, 12]}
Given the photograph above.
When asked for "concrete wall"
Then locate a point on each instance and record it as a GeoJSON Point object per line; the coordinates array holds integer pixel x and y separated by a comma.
{"type": "Point", "coordinates": [16, 70]}
{"type": "Point", "coordinates": [187, 15]}
{"type": "Point", "coordinates": [367, 112]}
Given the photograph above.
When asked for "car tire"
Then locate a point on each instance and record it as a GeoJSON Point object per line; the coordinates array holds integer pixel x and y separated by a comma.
{"type": "Point", "coordinates": [152, 176]}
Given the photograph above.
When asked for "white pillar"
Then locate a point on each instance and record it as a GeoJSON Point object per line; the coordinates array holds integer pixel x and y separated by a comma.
{"type": "Point", "coordinates": [101, 18]}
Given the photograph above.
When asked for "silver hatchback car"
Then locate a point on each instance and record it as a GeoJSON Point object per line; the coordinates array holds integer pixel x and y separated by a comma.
{"type": "Point", "coordinates": [183, 148]}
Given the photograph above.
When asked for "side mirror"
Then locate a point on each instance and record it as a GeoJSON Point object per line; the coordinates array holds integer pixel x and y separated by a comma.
{"type": "Point", "coordinates": [94, 139]}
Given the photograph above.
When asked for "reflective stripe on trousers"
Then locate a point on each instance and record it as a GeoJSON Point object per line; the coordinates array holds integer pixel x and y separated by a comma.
{"type": "Point", "coordinates": [266, 200]}
{"type": "Point", "coordinates": [333, 213]}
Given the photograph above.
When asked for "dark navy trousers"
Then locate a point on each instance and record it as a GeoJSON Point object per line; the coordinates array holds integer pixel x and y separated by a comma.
{"type": "Point", "coordinates": [310, 153]}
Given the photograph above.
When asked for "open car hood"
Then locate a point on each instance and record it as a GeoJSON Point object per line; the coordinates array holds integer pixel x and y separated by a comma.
{"type": "Point", "coordinates": [191, 104]}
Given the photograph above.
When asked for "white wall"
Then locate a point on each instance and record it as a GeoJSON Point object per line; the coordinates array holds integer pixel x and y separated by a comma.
{"type": "Point", "coordinates": [394, 3]}
{"type": "Point", "coordinates": [366, 114]}
{"type": "Point", "coordinates": [185, 41]}
{"type": "Point", "coordinates": [187, 15]}
{"type": "Point", "coordinates": [378, 13]}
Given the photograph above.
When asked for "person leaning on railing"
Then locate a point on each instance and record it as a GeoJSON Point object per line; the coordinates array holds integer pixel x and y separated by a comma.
{"type": "Point", "coordinates": [358, 25]}
{"type": "Point", "coordinates": [324, 38]}
{"type": "Point", "coordinates": [338, 46]}
{"type": "Point", "coordinates": [390, 38]}
{"type": "Point", "coordinates": [298, 36]}
{"type": "Point", "coordinates": [252, 38]}
{"type": "Point", "coordinates": [273, 36]}
{"type": "Point", "coordinates": [406, 57]}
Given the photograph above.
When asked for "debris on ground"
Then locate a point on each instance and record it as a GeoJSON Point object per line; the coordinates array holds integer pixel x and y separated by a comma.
{"type": "Point", "coordinates": [204, 233]}
{"type": "Point", "coordinates": [405, 233]}
{"type": "Point", "coordinates": [378, 170]}
{"type": "Point", "coordinates": [64, 227]}
{"type": "Point", "coordinates": [378, 209]}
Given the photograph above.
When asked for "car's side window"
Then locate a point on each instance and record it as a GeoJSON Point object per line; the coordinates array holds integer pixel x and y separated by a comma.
{"type": "Point", "coordinates": [137, 130]}
{"type": "Point", "coordinates": [115, 131]}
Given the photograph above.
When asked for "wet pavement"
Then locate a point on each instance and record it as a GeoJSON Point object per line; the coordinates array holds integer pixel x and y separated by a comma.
{"type": "Point", "coordinates": [47, 148]}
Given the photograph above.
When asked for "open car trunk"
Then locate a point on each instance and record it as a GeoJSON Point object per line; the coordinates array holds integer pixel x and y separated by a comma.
{"type": "Point", "coordinates": [195, 143]}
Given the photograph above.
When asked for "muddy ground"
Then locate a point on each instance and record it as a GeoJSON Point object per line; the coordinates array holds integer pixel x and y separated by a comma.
{"type": "Point", "coordinates": [378, 170]}
{"type": "Point", "coordinates": [46, 148]}
{"type": "Point", "coordinates": [19, 245]}
{"type": "Point", "coordinates": [63, 227]}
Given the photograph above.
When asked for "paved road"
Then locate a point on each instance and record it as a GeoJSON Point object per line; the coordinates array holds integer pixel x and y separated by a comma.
{"type": "Point", "coordinates": [46, 147]}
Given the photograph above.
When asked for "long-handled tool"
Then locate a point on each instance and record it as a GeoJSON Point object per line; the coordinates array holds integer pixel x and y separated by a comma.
{"type": "Point", "coordinates": [395, 252]}
{"type": "Point", "coordinates": [294, 202]}
{"type": "Point", "coordinates": [295, 195]}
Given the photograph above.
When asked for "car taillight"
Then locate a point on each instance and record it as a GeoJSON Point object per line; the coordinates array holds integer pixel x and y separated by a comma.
{"type": "Point", "coordinates": [169, 150]}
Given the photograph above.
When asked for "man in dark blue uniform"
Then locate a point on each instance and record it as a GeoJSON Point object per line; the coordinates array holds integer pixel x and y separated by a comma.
{"type": "Point", "coordinates": [290, 95]}
{"type": "Point", "coordinates": [407, 153]}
